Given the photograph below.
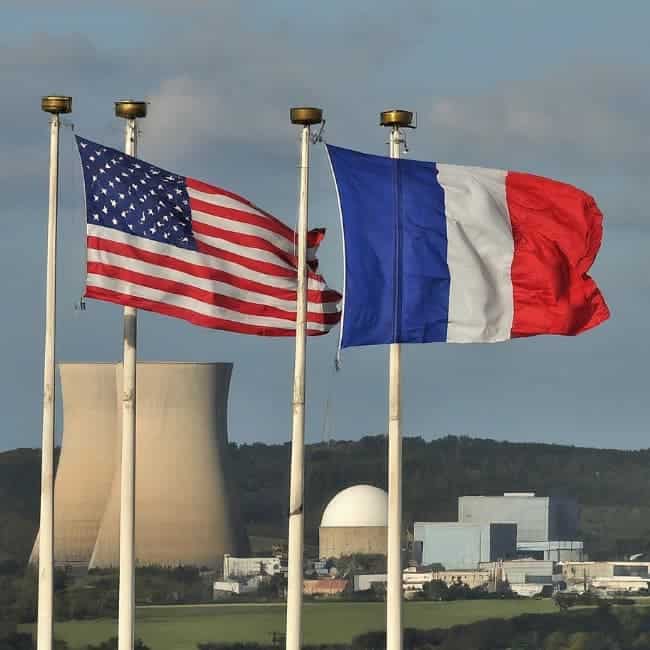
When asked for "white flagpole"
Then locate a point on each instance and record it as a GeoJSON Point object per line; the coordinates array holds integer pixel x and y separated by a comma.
{"type": "Point", "coordinates": [130, 111]}
{"type": "Point", "coordinates": [55, 105]}
{"type": "Point", "coordinates": [304, 117]}
{"type": "Point", "coordinates": [394, 629]}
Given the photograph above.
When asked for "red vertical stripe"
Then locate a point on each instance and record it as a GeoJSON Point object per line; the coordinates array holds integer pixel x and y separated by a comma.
{"type": "Point", "coordinates": [557, 231]}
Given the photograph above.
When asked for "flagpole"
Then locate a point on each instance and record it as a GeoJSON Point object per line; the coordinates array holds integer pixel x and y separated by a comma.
{"type": "Point", "coordinates": [304, 117]}
{"type": "Point", "coordinates": [394, 629]}
{"type": "Point", "coordinates": [130, 111]}
{"type": "Point", "coordinates": [55, 105]}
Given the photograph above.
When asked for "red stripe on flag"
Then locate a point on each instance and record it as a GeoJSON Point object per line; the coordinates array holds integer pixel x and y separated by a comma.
{"type": "Point", "coordinates": [193, 317]}
{"type": "Point", "coordinates": [210, 273]}
{"type": "Point", "coordinates": [207, 297]}
{"type": "Point", "coordinates": [243, 239]}
{"type": "Point", "coordinates": [262, 267]}
{"type": "Point", "coordinates": [138, 253]}
{"type": "Point", "coordinates": [314, 237]}
{"type": "Point", "coordinates": [557, 231]}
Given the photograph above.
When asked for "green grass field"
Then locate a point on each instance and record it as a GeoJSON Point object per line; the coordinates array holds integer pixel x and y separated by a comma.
{"type": "Point", "coordinates": [181, 628]}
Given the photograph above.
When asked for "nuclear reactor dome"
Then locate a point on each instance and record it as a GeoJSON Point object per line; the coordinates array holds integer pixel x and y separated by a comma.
{"type": "Point", "coordinates": [355, 521]}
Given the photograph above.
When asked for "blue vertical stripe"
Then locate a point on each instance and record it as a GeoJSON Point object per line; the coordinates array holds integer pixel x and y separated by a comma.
{"type": "Point", "coordinates": [394, 229]}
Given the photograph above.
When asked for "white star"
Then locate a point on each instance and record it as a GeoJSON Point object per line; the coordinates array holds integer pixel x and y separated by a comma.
{"type": "Point", "coordinates": [114, 220]}
{"type": "Point", "coordinates": [83, 145]}
{"type": "Point", "coordinates": [105, 210]}
{"type": "Point", "coordinates": [96, 217]}
{"type": "Point", "coordinates": [152, 231]}
{"type": "Point", "coordinates": [121, 196]}
{"type": "Point", "coordinates": [91, 158]}
{"type": "Point", "coordinates": [130, 226]}
{"type": "Point", "coordinates": [179, 191]}
{"type": "Point", "coordinates": [170, 196]}
{"type": "Point", "coordinates": [123, 213]}
{"type": "Point", "coordinates": [95, 197]}
{"type": "Point", "coordinates": [166, 235]}
{"type": "Point", "coordinates": [111, 184]}
{"type": "Point", "coordinates": [150, 211]}
{"type": "Point", "coordinates": [113, 202]}
{"type": "Point", "coordinates": [94, 178]}
{"type": "Point", "coordinates": [104, 190]}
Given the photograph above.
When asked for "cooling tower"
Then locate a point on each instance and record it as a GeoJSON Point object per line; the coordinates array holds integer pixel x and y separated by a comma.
{"type": "Point", "coordinates": [185, 509]}
{"type": "Point", "coordinates": [86, 467]}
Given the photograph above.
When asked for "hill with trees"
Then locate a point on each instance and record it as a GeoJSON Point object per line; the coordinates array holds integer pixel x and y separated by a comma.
{"type": "Point", "coordinates": [612, 486]}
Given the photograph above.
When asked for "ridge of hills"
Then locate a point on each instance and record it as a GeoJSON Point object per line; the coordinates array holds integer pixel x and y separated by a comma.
{"type": "Point", "coordinates": [611, 486]}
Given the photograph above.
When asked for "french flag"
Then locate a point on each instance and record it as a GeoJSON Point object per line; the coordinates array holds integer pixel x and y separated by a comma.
{"type": "Point", "coordinates": [438, 252]}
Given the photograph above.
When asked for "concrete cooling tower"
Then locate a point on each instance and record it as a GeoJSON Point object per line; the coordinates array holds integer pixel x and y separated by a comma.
{"type": "Point", "coordinates": [86, 466]}
{"type": "Point", "coordinates": [185, 506]}
{"type": "Point", "coordinates": [186, 509]}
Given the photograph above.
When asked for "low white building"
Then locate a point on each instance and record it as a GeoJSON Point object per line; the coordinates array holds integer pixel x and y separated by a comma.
{"type": "Point", "coordinates": [606, 576]}
{"type": "Point", "coordinates": [225, 588]}
{"type": "Point", "coordinates": [365, 581]}
{"type": "Point", "coordinates": [245, 567]}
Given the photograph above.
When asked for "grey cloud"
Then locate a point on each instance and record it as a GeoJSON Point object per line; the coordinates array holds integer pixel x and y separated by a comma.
{"type": "Point", "coordinates": [586, 112]}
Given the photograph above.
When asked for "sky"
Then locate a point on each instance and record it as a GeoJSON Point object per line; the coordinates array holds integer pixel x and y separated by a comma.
{"type": "Point", "coordinates": [555, 88]}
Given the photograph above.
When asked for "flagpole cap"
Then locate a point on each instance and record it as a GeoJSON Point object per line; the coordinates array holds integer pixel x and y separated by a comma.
{"type": "Point", "coordinates": [56, 104]}
{"type": "Point", "coordinates": [130, 109]}
{"type": "Point", "coordinates": [396, 117]}
{"type": "Point", "coordinates": [306, 115]}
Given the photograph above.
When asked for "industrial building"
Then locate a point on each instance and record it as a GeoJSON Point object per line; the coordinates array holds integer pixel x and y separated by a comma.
{"type": "Point", "coordinates": [546, 526]}
{"type": "Point", "coordinates": [527, 577]}
{"type": "Point", "coordinates": [606, 576]}
{"type": "Point", "coordinates": [186, 508]}
{"type": "Point", "coordinates": [457, 545]}
{"type": "Point", "coordinates": [355, 521]}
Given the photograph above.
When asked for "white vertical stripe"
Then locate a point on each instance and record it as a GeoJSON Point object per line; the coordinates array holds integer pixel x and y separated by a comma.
{"type": "Point", "coordinates": [479, 254]}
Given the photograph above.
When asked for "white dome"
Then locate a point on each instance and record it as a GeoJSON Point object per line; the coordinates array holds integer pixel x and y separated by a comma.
{"type": "Point", "coordinates": [359, 505]}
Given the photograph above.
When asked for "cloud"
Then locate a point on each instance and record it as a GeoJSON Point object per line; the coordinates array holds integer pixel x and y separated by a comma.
{"type": "Point", "coordinates": [584, 112]}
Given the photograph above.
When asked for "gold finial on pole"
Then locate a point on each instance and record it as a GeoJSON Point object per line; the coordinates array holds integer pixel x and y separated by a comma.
{"type": "Point", "coordinates": [306, 115]}
{"type": "Point", "coordinates": [396, 117]}
{"type": "Point", "coordinates": [56, 104]}
{"type": "Point", "coordinates": [130, 109]}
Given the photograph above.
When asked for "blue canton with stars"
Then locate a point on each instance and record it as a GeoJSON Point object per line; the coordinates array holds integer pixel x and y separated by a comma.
{"type": "Point", "coordinates": [134, 196]}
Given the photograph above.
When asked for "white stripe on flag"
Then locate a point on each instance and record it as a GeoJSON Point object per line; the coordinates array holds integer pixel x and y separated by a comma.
{"type": "Point", "coordinates": [191, 304]}
{"type": "Point", "coordinates": [480, 249]}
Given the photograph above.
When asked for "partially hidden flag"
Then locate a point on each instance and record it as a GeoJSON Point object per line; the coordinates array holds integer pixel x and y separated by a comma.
{"type": "Point", "coordinates": [180, 247]}
{"type": "Point", "coordinates": [438, 252]}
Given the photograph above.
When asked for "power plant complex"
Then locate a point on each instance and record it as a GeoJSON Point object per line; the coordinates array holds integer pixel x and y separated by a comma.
{"type": "Point", "coordinates": [186, 508]}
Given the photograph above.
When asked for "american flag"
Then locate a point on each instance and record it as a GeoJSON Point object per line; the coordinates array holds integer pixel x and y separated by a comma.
{"type": "Point", "coordinates": [180, 247]}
